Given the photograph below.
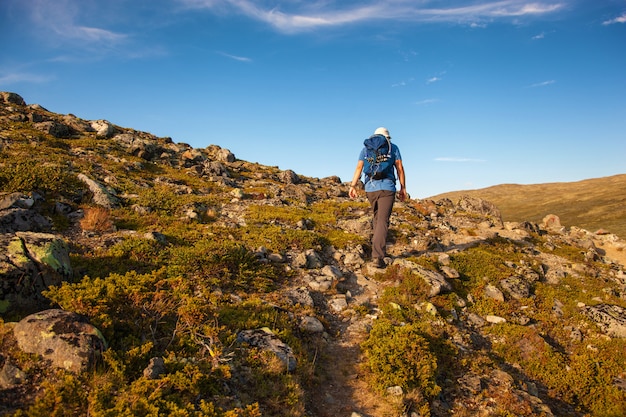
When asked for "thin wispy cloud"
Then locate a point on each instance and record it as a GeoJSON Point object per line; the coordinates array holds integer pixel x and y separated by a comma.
{"type": "Point", "coordinates": [540, 36]}
{"type": "Point", "coordinates": [403, 83]}
{"type": "Point", "coordinates": [433, 80]}
{"type": "Point", "coordinates": [619, 19]}
{"type": "Point", "coordinates": [455, 159]}
{"type": "Point", "coordinates": [290, 16]}
{"type": "Point", "coordinates": [542, 84]}
{"type": "Point", "coordinates": [60, 18]}
{"type": "Point", "coordinates": [91, 34]}
{"type": "Point", "coordinates": [235, 57]}
{"type": "Point", "coordinates": [22, 77]}
{"type": "Point", "coordinates": [427, 101]}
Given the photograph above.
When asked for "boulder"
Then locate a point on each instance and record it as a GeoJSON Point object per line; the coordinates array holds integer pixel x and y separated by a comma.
{"type": "Point", "coordinates": [64, 338]}
{"type": "Point", "coordinates": [300, 296]}
{"type": "Point", "coordinates": [516, 286]}
{"type": "Point", "coordinates": [103, 128]}
{"type": "Point", "coordinates": [30, 262]}
{"type": "Point", "coordinates": [56, 129]}
{"type": "Point", "coordinates": [610, 318]}
{"type": "Point", "coordinates": [11, 98]}
{"type": "Point", "coordinates": [552, 222]}
{"type": "Point", "coordinates": [289, 177]}
{"type": "Point", "coordinates": [310, 324]}
{"type": "Point", "coordinates": [101, 196]}
{"type": "Point", "coordinates": [15, 200]}
{"type": "Point", "coordinates": [436, 281]}
{"type": "Point", "coordinates": [481, 207]}
{"type": "Point", "coordinates": [20, 219]}
{"type": "Point", "coordinates": [265, 339]}
{"type": "Point", "coordinates": [224, 155]}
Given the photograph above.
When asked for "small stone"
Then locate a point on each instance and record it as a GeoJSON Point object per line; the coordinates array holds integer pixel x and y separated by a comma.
{"type": "Point", "coordinates": [396, 391]}
{"type": "Point", "coordinates": [495, 319]}
{"type": "Point", "coordinates": [311, 325]}
{"type": "Point", "coordinates": [155, 368]}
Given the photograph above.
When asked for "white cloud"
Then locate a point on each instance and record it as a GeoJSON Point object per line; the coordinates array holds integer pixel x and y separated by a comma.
{"type": "Point", "coordinates": [427, 101]}
{"type": "Point", "coordinates": [542, 84]}
{"type": "Point", "coordinates": [455, 159]}
{"type": "Point", "coordinates": [235, 57]}
{"type": "Point", "coordinates": [58, 20]}
{"type": "Point", "coordinates": [22, 77]}
{"type": "Point", "coordinates": [94, 34]}
{"type": "Point", "coordinates": [403, 83]}
{"type": "Point", "coordinates": [540, 36]}
{"type": "Point", "coordinates": [294, 16]}
{"type": "Point", "coordinates": [433, 80]}
{"type": "Point", "coordinates": [619, 19]}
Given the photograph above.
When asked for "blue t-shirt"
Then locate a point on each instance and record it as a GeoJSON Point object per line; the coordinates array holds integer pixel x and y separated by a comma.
{"type": "Point", "coordinates": [386, 184]}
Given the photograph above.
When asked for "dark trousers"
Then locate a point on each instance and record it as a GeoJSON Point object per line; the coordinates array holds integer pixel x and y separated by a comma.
{"type": "Point", "coordinates": [382, 203]}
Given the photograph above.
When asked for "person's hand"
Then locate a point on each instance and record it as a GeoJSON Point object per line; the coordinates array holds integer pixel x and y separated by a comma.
{"type": "Point", "coordinates": [353, 192]}
{"type": "Point", "coordinates": [402, 195]}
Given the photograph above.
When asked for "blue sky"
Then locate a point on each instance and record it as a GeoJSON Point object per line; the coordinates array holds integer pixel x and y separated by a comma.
{"type": "Point", "coordinates": [475, 93]}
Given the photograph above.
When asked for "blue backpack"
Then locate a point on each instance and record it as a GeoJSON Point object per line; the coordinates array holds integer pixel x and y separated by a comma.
{"type": "Point", "coordinates": [378, 158]}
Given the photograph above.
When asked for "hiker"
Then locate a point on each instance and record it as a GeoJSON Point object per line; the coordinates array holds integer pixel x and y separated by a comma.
{"type": "Point", "coordinates": [380, 186]}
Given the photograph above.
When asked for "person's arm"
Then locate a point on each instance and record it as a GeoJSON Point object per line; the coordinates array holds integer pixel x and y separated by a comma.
{"type": "Point", "coordinates": [402, 194]}
{"type": "Point", "coordinates": [355, 179]}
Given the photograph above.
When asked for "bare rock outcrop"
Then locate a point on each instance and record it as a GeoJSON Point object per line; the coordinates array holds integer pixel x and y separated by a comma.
{"type": "Point", "coordinates": [66, 339]}
{"type": "Point", "coordinates": [101, 195]}
{"type": "Point", "coordinates": [30, 262]}
{"type": "Point", "coordinates": [265, 339]}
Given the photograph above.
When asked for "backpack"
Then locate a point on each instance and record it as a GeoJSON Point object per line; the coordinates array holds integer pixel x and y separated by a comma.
{"type": "Point", "coordinates": [378, 157]}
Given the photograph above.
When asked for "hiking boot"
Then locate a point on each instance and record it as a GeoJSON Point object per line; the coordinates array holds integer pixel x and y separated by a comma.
{"type": "Point", "coordinates": [378, 263]}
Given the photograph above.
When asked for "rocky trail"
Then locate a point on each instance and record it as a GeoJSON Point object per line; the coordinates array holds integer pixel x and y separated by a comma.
{"type": "Point", "coordinates": [343, 389]}
{"type": "Point", "coordinates": [486, 303]}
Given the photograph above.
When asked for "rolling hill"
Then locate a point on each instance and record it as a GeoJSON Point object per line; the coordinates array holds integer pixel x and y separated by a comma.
{"type": "Point", "coordinates": [598, 203]}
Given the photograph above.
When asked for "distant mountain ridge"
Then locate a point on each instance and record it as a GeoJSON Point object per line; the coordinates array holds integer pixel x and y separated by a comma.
{"type": "Point", "coordinates": [593, 204]}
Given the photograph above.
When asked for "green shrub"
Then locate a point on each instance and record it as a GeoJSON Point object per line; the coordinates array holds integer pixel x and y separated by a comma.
{"type": "Point", "coordinates": [398, 355]}
{"type": "Point", "coordinates": [33, 175]}
{"type": "Point", "coordinates": [280, 239]}
{"type": "Point", "coordinates": [126, 308]}
{"type": "Point", "coordinates": [222, 263]}
{"type": "Point", "coordinates": [585, 378]}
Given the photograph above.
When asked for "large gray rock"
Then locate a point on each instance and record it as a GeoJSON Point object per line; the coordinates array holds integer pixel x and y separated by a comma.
{"type": "Point", "coordinates": [610, 318]}
{"type": "Point", "coordinates": [29, 263]}
{"type": "Point", "coordinates": [15, 200]}
{"type": "Point", "coordinates": [64, 338]}
{"type": "Point", "coordinates": [56, 129]}
{"type": "Point", "coordinates": [436, 281]}
{"type": "Point", "coordinates": [101, 196]}
{"type": "Point", "coordinates": [20, 219]}
{"type": "Point", "coordinates": [266, 340]}
{"type": "Point", "coordinates": [517, 287]}
{"type": "Point", "coordinates": [103, 128]}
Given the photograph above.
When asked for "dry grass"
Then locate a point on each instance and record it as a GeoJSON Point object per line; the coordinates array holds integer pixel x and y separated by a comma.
{"type": "Point", "coordinates": [97, 219]}
{"type": "Point", "coordinates": [593, 204]}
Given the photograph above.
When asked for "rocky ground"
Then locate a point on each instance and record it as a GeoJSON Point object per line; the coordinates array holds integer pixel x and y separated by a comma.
{"type": "Point", "coordinates": [341, 291]}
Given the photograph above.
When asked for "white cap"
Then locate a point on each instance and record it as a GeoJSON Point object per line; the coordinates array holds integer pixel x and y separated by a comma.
{"type": "Point", "coordinates": [382, 131]}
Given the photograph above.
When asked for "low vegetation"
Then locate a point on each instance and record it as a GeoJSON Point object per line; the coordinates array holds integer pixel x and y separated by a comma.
{"type": "Point", "coordinates": [185, 298]}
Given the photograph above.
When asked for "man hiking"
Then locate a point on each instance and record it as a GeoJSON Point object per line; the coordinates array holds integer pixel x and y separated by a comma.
{"type": "Point", "coordinates": [378, 160]}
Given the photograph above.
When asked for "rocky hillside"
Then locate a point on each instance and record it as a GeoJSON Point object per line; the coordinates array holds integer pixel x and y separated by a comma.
{"type": "Point", "coordinates": [594, 204]}
{"type": "Point", "coordinates": [141, 276]}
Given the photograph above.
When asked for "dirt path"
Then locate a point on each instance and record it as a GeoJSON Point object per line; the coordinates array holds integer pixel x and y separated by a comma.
{"type": "Point", "coordinates": [342, 388]}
